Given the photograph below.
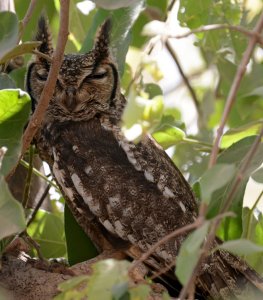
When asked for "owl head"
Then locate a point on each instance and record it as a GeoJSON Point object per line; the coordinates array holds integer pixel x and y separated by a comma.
{"type": "Point", "coordinates": [87, 84]}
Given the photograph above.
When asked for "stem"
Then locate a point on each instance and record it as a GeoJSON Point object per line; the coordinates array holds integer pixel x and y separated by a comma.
{"type": "Point", "coordinates": [213, 27]}
{"type": "Point", "coordinates": [185, 78]}
{"type": "Point", "coordinates": [196, 142]}
{"type": "Point", "coordinates": [250, 215]}
{"type": "Point", "coordinates": [36, 208]}
{"type": "Point", "coordinates": [28, 178]}
{"type": "Point", "coordinates": [39, 174]}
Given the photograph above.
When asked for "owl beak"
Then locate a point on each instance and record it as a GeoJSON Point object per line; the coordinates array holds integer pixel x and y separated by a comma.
{"type": "Point", "coordinates": [70, 100]}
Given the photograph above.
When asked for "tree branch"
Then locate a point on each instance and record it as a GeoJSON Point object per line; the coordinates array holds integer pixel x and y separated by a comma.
{"type": "Point", "coordinates": [213, 27]}
{"type": "Point", "coordinates": [216, 222]}
{"type": "Point", "coordinates": [27, 16]}
{"type": "Point", "coordinates": [234, 88]}
{"type": "Point", "coordinates": [52, 77]}
{"type": "Point", "coordinates": [185, 78]}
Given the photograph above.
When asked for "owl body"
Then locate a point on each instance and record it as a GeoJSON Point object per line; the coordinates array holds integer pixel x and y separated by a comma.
{"type": "Point", "coordinates": [121, 193]}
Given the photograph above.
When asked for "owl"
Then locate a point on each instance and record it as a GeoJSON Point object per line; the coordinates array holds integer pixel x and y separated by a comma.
{"type": "Point", "coordinates": [124, 195]}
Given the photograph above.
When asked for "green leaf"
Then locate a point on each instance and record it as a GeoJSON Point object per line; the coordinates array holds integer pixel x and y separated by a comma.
{"type": "Point", "coordinates": [236, 153]}
{"type": "Point", "coordinates": [214, 179]}
{"type": "Point", "coordinates": [72, 283]}
{"type": "Point", "coordinates": [258, 175]}
{"type": "Point", "coordinates": [106, 275]}
{"type": "Point", "coordinates": [12, 219]}
{"type": "Point", "coordinates": [20, 49]}
{"type": "Point", "coordinates": [236, 134]}
{"type": "Point", "coordinates": [79, 245]}
{"type": "Point", "coordinates": [189, 253]}
{"type": "Point", "coordinates": [14, 112]}
{"type": "Point", "coordinates": [8, 32]}
{"type": "Point", "coordinates": [123, 19]}
{"type": "Point", "coordinates": [48, 230]}
{"type": "Point", "coordinates": [168, 136]}
{"type": "Point", "coordinates": [153, 90]}
{"type": "Point", "coordinates": [241, 247]}
{"type": "Point", "coordinates": [153, 110]}
{"type": "Point", "coordinates": [6, 82]}
{"type": "Point", "coordinates": [139, 292]}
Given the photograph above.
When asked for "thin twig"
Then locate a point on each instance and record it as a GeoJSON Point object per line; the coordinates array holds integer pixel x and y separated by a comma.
{"type": "Point", "coordinates": [38, 205]}
{"type": "Point", "coordinates": [26, 18]}
{"type": "Point", "coordinates": [216, 222]}
{"type": "Point", "coordinates": [52, 77]}
{"type": "Point", "coordinates": [28, 178]}
{"type": "Point", "coordinates": [213, 27]}
{"type": "Point", "coordinates": [234, 88]}
{"type": "Point", "coordinates": [43, 55]}
{"type": "Point", "coordinates": [39, 174]}
{"type": "Point", "coordinates": [185, 78]}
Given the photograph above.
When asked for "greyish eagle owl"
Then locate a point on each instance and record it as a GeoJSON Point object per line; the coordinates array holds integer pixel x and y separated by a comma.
{"type": "Point", "coordinates": [122, 194]}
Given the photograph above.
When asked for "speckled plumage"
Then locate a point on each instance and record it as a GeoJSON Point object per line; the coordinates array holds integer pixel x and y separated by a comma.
{"type": "Point", "coordinates": [122, 194]}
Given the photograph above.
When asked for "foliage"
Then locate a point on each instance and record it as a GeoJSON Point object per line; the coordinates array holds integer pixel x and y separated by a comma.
{"type": "Point", "coordinates": [221, 52]}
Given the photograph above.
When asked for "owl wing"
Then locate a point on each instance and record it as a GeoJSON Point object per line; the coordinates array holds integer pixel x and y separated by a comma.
{"type": "Point", "coordinates": [134, 191]}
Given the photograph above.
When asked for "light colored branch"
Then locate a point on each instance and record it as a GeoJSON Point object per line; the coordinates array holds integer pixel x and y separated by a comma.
{"type": "Point", "coordinates": [234, 88]}
{"type": "Point", "coordinates": [29, 13]}
{"type": "Point", "coordinates": [213, 27]}
{"type": "Point", "coordinates": [52, 77]}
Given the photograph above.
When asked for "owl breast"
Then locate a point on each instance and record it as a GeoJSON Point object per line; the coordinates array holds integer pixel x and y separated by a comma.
{"type": "Point", "coordinates": [114, 186]}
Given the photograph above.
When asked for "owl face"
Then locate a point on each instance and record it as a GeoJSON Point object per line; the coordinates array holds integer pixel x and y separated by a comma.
{"type": "Point", "coordinates": [87, 84]}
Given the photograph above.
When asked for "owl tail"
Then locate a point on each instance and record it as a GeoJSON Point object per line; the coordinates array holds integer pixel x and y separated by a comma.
{"type": "Point", "coordinates": [225, 276]}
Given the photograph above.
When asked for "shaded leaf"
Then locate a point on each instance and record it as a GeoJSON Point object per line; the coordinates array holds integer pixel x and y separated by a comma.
{"type": "Point", "coordinates": [8, 32]}
{"type": "Point", "coordinates": [12, 219]}
{"type": "Point", "coordinates": [79, 245]}
{"type": "Point", "coordinates": [241, 247]}
{"type": "Point", "coordinates": [215, 178]}
{"type": "Point", "coordinates": [47, 230]}
{"type": "Point", "coordinates": [106, 275]}
{"type": "Point", "coordinates": [189, 253]}
{"type": "Point", "coordinates": [236, 153]}
{"type": "Point", "coordinates": [72, 283]}
{"type": "Point", "coordinates": [258, 175]}
{"type": "Point", "coordinates": [6, 82]}
{"type": "Point", "coordinates": [139, 292]}
{"type": "Point", "coordinates": [253, 231]}
{"type": "Point", "coordinates": [14, 112]}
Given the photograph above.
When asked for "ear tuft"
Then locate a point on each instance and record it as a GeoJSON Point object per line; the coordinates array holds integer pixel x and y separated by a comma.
{"type": "Point", "coordinates": [43, 35]}
{"type": "Point", "coordinates": [102, 40]}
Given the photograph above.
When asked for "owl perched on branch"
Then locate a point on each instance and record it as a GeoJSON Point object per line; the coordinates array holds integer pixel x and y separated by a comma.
{"type": "Point", "coordinates": [122, 194]}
